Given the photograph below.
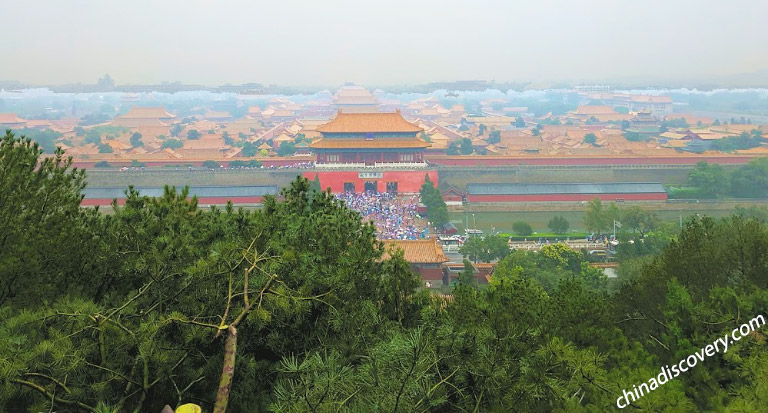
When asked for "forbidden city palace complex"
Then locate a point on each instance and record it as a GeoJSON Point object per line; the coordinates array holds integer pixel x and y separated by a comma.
{"type": "Point", "coordinates": [376, 151]}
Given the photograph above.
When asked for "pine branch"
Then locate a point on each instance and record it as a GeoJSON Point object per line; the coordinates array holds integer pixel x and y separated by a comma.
{"type": "Point", "coordinates": [47, 394]}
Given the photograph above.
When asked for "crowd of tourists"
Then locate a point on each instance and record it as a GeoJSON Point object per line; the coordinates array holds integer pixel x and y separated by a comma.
{"type": "Point", "coordinates": [395, 216]}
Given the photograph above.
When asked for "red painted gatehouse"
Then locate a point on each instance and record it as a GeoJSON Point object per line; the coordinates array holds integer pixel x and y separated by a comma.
{"type": "Point", "coordinates": [369, 139]}
{"type": "Point", "coordinates": [377, 151]}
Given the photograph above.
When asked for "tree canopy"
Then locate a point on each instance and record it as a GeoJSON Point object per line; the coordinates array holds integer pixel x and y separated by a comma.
{"type": "Point", "coordinates": [558, 224]}
{"type": "Point", "coordinates": [293, 307]}
{"type": "Point", "coordinates": [437, 210]}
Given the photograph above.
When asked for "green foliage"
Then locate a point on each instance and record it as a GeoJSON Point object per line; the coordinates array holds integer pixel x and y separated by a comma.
{"type": "Point", "coordinates": [94, 134]}
{"type": "Point", "coordinates": [494, 136]}
{"type": "Point", "coordinates": [176, 129]}
{"type": "Point", "coordinates": [486, 249]}
{"type": "Point", "coordinates": [286, 149]}
{"type": "Point", "coordinates": [625, 124]}
{"type": "Point", "coordinates": [522, 228]}
{"type": "Point", "coordinates": [751, 180]}
{"type": "Point", "coordinates": [743, 141]}
{"type": "Point", "coordinates": [599, 217]}
{"type": "Point", "coordinates": [639, 219]}
{"type": "Point", "coordinates": [249, 149]}
{"type": "Point", "coordinates": [40, 211]}
{"type": "Point", "coordinates": [315, 186]}
{"type": "Point", "coordinates": [519, 122]}
{"type": "Point", "coordinates": [590, 138]}
{"type": "Point", "coordinates": [463, 146]}
{"type": "Point", "coordinates": [552, 264]}
{"type": "Point", "coordinates": [211, 165]}
{"type": "Point", "coordinates": [710, 178]}
{"type": "Point", "coordinates": [105, 148]}
{"type": "Point", "coordinates": [46, 138]}
{"type": "Point", "coordinates": [102, 164]}
{"type": "Point", "coordinates": [193, 134]}
{"type": "Point", "coordinates": [675, 123]}
{"type": "Point", "coordinates": [172, 143]}
{"type": "Point", "coordinates": [558, 224]}
{"type": "Point", "coordinates": [159, 302]}
{"type": "Point", "coordinates": [467, 277]}
{"type": "Point", "coordinates": [437, 210]}
{"type": "Point", "coordinates": [227, 139]}
{"type": "Point", "coordinates": [632, 136]}
{"type": "Point", "coordinates": [136, 140]}
{"type": "Point", "coordinates": [93, 118]}
{"type": "Point", "coordinates": [752, 212]}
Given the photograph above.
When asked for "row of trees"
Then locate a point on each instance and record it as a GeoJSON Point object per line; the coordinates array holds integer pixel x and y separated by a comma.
{"type": "Point", "coordinates": [743, 141]}
{"type": "Point", "coordinates": [747, 181]}
{"type": "Point", "coordinates": [292, 308]}
{"type": "Point", "coordinates": [486, 249]}
{"type": "Point", "coordinates": [462, 146]}
{"type": "Point", "coordinates": [599, 217]}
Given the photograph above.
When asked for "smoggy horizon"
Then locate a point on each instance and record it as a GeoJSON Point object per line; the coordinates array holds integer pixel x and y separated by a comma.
{"type": "Point", "coordinates": [331, 43]}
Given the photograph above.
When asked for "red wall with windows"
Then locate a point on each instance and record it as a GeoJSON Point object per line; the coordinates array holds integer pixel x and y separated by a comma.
{"type": "Point", "coordinates": [407, 181]}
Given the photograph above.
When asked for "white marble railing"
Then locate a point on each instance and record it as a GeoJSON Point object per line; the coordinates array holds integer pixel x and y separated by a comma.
{"type": "Point", "coordinates": [401, 164]}
{"type": "Point", "coordinates": [339, 165]}
{"type": "Point", "coordinates": [377, 165]}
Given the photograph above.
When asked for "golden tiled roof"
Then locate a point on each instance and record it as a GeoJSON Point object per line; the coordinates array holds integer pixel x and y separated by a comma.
{"type": "Point", "coordinates": [422, 251]}
{"type": "Point", "coordinates": [405, 143]}
{"type": "Point", "coordinates": [10, 118]}
{"type": "Point", "coordinates": [368, 123]}
{"type": "Point", "coordinates": [594, 110]}
{"type": "Point", "coordinates": [147, 112]}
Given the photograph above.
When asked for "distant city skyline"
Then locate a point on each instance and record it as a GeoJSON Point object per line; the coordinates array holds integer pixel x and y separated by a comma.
{"type": "Point", "coordinates": [305, 43]}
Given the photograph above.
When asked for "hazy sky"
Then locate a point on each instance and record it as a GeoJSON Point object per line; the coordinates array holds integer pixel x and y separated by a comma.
{"type": "Point", "coordinates": [327, 42]}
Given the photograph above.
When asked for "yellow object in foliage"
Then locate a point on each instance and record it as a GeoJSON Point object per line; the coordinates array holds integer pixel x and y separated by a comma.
{"type": "Point", "coordinates": [189, 408]}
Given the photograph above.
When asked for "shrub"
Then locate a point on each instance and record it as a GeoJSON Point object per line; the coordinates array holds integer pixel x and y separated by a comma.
{"type": "Point", "coordinates": [522, 228]}
{"type": "Point", "coordinates": [558, 225]}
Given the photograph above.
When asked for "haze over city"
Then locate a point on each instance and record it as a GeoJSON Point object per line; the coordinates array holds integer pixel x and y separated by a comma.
{"type": "Point", "coordinates": [355, 206]}
{"type": "Point", "coordinates": [381, 43]}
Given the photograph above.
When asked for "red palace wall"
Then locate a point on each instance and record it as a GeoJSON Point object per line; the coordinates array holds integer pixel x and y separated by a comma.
{"type": "Point", "coordinates": [429, 274]}
{"type": "Point", "coordinates": [407, 181]}
{"type": "Point", "coordinates": [586, 161]}
{"type": "Point", "coordinates": [181, 163]}
{"type": "Point", "coordinates": [566, 197]}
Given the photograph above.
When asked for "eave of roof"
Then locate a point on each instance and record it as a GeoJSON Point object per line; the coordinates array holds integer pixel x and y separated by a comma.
{"type": "Point", "coordinates": [331, 143]}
